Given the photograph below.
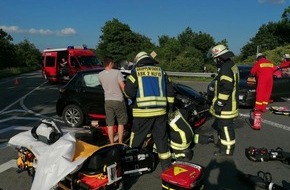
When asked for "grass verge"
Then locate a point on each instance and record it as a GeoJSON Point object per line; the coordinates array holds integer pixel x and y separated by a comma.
{"type": "Point", "coordinates": [12, 71]}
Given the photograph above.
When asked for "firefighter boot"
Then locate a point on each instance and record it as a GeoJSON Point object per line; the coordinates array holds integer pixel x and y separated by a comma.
{"type": "Point", "coordinates": [257, 120]}
{"type": "Point", "coordinates": [183, 155]}
{"type": "Point", "coordinates": [203, 139]}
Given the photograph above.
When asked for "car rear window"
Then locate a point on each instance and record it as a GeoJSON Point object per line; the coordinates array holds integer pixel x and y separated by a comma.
{"type": "Point", "coordinates": [91, 80]}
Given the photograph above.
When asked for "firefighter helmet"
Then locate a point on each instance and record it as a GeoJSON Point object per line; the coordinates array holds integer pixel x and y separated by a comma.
{"type": "Point", "coordinates": [140, 56]}
{"type": "Point", "coordinates": [259, 55]}
{"type": "Point", "coordinates": [218, 50]}
{"type": "Point", "coordinates": [286, 56]}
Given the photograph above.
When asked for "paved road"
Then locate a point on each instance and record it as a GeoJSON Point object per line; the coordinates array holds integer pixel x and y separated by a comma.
{"type": "Point", "coordinates": [27, 98]}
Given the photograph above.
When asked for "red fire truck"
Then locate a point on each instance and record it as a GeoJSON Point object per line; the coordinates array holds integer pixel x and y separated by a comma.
{"type": "Point", "coordinates": [76, 58]}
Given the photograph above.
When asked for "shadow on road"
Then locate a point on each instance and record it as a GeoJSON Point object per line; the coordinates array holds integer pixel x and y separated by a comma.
{"type": "Point", "coordinates": [227, 175]}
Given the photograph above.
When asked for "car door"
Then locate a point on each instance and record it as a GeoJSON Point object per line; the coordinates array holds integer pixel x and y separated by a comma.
{"type": "Point", "coordinates": [92, 94]}
{"type": "Point", "coordinates": [281, 82]}
{"type": "Point", "coordinates": [50, 68]}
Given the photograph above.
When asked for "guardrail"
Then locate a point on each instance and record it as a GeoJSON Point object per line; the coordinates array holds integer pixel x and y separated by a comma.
{"type": "Point", "coordinates": [189, 74]}
{"type": "Point", "coordinates": [180, 74]}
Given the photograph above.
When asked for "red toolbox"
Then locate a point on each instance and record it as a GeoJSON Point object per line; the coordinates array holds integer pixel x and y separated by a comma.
{"type": "Point", "coordinates": [183, 176]}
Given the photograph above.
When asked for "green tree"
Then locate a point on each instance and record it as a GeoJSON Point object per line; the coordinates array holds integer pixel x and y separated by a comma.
{"type": "Point", "coordinates": [286, 15]}
{"type": "Point", "coordinates": [200, 41]}
{"type": "Point", "coordinates": [7, 51]}
{"type": "Point", "coordinates": [269, 36]}
{"type": "Point", "coordinates": [168, 51]}
{"type": "Point", "coordinates": [27, 54]}
{"type": "Point", "coordinates": [283, 28]}
{"type": "Point", "coordinates": [190, 60]}
{"type": "Point", "coordinates": [119, 41]}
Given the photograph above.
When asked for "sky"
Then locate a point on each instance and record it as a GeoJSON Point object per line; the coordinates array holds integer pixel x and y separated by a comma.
{"type": "Point", "coordinates": [60, 23]}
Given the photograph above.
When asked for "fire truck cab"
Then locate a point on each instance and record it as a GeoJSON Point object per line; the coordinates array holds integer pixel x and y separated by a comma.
{"type": "Point", "coordinates": [77, 58]}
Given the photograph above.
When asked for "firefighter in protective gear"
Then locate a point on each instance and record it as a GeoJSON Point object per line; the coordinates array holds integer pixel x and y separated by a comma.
{"type": "Point", "coordinates": [153, 97]}
{"type": "Point", "coordinates": [263, 71]}
{"type": "Point", "coordinates": [225, 102]}
{"type": "Point", "coordinates": [181, 136]}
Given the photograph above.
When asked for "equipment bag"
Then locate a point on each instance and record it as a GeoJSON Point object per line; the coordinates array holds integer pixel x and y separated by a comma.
{"type": "Point", "coordinates": [280, 110]}
{"type": "Point", "coordinates": [102, 170]}
{"type": "Point", "coordinates": [111, 179]}
{"type": "Point", "coordinates": [138, 162]}
{"type": "Point", "coordinates": [183, 176]}
{"type": "Point", "coordinates": [263, 155]}
{"type": "Point", "coordinates": [47, 131]}
{"type": "Point", "coordinates": [26, 161]}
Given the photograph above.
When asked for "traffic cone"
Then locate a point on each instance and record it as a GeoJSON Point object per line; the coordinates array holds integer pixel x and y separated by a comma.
{"type": "Point", "coordinates": [16, 82]}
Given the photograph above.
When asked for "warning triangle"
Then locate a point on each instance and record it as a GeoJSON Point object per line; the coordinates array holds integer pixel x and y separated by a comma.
{"type": "Point", "coordinates": [178, 170]}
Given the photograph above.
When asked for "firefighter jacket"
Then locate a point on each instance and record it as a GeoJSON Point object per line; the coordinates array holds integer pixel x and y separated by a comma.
{"type": "Point", "coordinates": [226, 91]}
{"type": "Point", "coordinates": [151, 91]}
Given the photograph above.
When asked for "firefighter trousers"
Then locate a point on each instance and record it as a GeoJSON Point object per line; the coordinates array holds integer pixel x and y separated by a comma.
{"type": "Point", "coordinates": [158, 128]}
{"type": "Point", "coordinates": [226, 135]}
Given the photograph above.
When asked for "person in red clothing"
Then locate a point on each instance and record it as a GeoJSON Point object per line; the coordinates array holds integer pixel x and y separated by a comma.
{"type": "Point", "coordinates": [285, 60]}
{"type": "Point", "coordinates": [285, 65]}
{"type": "Point", "coordinates": [263, 71]}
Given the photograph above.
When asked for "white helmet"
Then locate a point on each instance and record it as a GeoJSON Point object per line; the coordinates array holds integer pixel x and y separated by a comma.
{"type": "Point", "coordinates": [218, 50]}
{"type": "Point", "coordinates": [140, 56]}
{"type": "Point", "coordinates": [286, 56]}
{"type": "Point", "coordinates": [259, 55]}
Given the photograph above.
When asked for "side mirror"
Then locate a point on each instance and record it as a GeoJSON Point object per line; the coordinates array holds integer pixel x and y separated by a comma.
{"type": "Point", "coordinates": [213, 75]}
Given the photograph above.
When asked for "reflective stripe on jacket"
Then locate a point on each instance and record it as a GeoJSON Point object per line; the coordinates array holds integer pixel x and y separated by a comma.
{"type": "Point", "coordinates": [151, 89]}
{"type": "Point", "coordinates": [226, 90]}
{"type": "Point", "coordinates": [263, 69]}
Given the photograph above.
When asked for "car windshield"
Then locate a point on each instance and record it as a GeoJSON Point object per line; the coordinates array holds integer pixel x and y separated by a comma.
{"type": "Point", "coordinates": [244, 72]}
{"type": "Point", "coordinates": [88, 61]}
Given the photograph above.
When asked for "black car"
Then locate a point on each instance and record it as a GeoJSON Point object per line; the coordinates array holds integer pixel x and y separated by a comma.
{"type": "Point", "coordinates": [82, 100]}
{"type": "Point", "coordinates": [247, 93]}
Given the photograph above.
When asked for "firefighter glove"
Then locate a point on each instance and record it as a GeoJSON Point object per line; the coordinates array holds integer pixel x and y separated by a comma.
{"type": "Point", "coordinates": [218, 107]}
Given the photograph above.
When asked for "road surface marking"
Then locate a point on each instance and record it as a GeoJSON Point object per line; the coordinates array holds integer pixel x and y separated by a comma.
{"type": "Point", "coordinates": [23, 97]}
{"type": "Point", "coordinates": [8, 165]}
{"type": "Point", "coordinates": [271, 123]}
{"type": "Point", "coordinates": [20, 118]}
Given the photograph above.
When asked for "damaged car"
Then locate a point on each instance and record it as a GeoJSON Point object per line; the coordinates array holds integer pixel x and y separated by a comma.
{"type": "Point", "coordinates": [82, 101]}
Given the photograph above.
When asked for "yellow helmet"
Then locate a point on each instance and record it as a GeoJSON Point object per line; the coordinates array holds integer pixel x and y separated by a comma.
{"type": "Point", "coordinates": [218, 50]}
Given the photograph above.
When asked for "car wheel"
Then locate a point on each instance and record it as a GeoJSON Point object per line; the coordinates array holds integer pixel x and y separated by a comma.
{"type": "Point", "coordinates": [73, 116]}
